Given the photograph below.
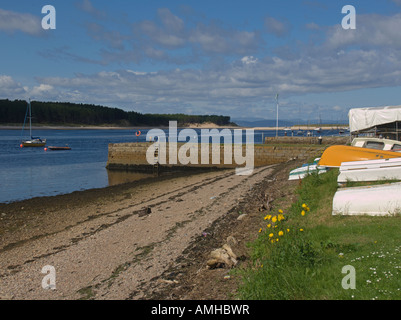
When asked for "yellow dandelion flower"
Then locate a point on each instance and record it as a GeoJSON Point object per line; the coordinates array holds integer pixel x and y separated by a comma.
{"type": "Point", "coordinates": [277, 240]}
{"type": "Point", "coordinates": [288, 230]}
{"type": "Point", "coordinates": [304, 206]}
{"type": "Point", "coordinates": [268, 217]}
{"type": "Point", "coordinates": [301, 230]}
{"type": "Point", "coordinates": [274, 219]}
{"type": "Point", "coordinates": [280, 211]}
{"type": "Point", "coordinates": [269, 225]}
{"type": "Point", "coordinates": [303, 212]}
{"type": "Point", "coordinates": [272, 241]}
{"type": "Point", "coordinates": [280, 217]}
{"type": "Point", "coordinates": [280, 233]}
{"type": "Point", "coordinates": [260, 230]}
{"type": "Point", "coordinates": [271, 235]}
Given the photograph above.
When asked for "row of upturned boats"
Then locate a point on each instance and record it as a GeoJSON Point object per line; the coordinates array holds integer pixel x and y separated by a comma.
{"type": "Point", "coordinates": [369, 160]}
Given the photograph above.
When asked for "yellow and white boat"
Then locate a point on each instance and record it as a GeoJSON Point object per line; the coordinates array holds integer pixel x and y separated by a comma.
{"type": "Point", "coordinates": [333, 156]}
{"type": "Point", "coordinates": [377, 143]}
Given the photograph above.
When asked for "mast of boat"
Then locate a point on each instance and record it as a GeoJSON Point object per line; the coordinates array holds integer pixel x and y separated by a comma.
{"type": "Point", "coordinates": [30, 118]}
{"type": "Point", "coordinates": [277, 116]}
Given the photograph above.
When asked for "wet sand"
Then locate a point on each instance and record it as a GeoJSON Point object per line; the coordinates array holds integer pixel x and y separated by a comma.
{"type": "Point", "coordinates": [141, 240]}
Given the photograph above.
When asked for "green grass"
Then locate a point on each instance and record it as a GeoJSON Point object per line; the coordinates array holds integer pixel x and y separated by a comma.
{"type": "Point", "coordinates": [308, 264]}
{"type": "Point", "coordinates": [350, 183]}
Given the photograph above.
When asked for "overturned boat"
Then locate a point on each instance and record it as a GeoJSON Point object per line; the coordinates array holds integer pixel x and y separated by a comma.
{"type": "Point", "coordinates": [377, 200]}
{"type": "Point", "coordinates": [370, 170]}
{"type": "Point", "coordinates": [306, 169]}
{"type": "Point", "coordinates": [334, 156]}
{"type": "Point", "coordinates": [377, 143]}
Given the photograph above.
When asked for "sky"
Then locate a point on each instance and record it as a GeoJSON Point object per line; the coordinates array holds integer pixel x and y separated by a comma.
{"type": "Point", "coordinates": [219, 57]}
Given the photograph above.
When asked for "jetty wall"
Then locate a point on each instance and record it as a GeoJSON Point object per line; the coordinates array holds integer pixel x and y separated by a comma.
{"type": "Point", "coordinates": [132, 156]}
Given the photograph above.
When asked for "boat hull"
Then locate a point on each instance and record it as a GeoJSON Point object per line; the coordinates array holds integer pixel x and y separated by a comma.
{"type": "Point", "coordinates": [59, 148]}
{"type": "Point", "coordinates": [334, 156]}
{"type": "Point", "coordinates": [33, 143]}
{"type": "Point", "coordinates": [370, 170]}
{"type": "Point", "coordinates": [378, 200]}
{"type": "Point", "coordinates": [302, 172]}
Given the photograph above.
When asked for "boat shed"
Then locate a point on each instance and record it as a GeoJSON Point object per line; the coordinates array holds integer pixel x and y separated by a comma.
{"type": "Point", "coordinates": [377, 121]}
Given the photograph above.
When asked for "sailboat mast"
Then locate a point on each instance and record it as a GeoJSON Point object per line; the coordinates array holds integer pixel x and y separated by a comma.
{"type": "Point", "coordinates": [30, 118]}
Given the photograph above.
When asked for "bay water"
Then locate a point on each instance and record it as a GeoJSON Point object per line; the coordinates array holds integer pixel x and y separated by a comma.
{"type": "Point", "coordinates": [32, 172]}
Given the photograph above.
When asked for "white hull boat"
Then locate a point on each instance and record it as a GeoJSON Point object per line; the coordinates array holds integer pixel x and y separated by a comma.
{"type": "Point", "coordinates": [306, 169]}
{"type": "Point", "coordinates": [378, 200]}
{"type": "Point", "coordinates": [370, 170]}
{"type": "Point", "coordinates": [377, 143]}
{"type": "Point", "coordinates": [32, 142]}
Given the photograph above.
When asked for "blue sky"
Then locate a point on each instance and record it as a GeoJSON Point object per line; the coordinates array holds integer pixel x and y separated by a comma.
{"type": "Point", "coordinates": [205, 57]}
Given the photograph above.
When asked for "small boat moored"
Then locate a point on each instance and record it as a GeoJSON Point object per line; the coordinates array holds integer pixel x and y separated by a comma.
{"type": "Point", "coordinates": [58, 148]}
{"type": "Point", "coordinates": [33, 141]}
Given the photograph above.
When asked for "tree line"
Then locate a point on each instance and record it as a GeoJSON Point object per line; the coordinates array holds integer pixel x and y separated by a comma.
{"type": "Point", "coordinates": [66, 113]}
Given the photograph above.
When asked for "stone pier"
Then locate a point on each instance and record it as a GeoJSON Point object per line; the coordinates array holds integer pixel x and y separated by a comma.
{"type": "Point", "coordinates": [132, 156]}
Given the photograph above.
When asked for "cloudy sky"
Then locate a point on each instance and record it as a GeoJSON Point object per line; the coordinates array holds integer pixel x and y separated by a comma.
{"type": "Point", "coordinates": [205, 57]}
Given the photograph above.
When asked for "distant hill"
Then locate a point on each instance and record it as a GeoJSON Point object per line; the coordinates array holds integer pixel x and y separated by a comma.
{"type": "Point", "coordinates": [70, 114]}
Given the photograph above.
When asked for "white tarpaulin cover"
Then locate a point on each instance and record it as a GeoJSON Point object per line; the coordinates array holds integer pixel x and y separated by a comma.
{"type": "Point", "coordinates": [365, 118]}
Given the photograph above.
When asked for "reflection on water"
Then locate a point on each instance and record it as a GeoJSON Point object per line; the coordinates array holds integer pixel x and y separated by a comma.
{"type": "Point", "coordinates": [122, 176]}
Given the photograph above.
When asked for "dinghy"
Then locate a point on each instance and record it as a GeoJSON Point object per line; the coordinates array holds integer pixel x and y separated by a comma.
{"type": "Point", "coordinates": [333, 156]}
{"type": "Point", "coordinates": [370, 170]}
{"type": "Point", "coordinates": [59, 148]}
{"type": "Point", "coordinates": [378, 200]}
{"type": "Point", "coordinates": [306, 169]}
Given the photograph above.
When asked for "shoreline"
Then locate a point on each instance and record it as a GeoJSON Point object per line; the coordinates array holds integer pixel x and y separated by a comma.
{"type": "Point", "coordinates": [85, 127]}
{"type": "Point", "coordinates": [53, 199]}
{"type": "Point", "coordinates": [293, 128]}
{"type": "Point", "coordinates": [132, 241]}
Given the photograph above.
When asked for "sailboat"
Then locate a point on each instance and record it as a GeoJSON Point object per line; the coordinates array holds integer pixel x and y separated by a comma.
{"type": "Point", "coordinates": [33, 141]}
{"type": "Point", "coordinates": [319, 129]}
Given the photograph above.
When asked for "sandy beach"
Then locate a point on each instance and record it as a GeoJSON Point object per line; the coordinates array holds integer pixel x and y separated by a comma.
{"type": "Point", "coordinates": [144, 240]}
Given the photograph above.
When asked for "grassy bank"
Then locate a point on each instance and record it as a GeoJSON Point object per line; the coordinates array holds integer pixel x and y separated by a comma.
{"type": "Point", "coordinates": [306, 253]}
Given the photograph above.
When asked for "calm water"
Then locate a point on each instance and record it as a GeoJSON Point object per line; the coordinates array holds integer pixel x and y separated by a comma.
{"type": "Point", "coordinates": [31, 172]}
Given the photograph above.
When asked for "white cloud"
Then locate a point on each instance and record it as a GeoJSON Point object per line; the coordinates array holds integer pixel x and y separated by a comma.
{"type": "Point", "coordinates": [337, 108]}
{"type": "Point", "coordinates": [372, 30]}
{"type": "Point", "coordinates": [247, 81]}
{"type": "Point", "coordinates": [11, 22]}
{"type": "Point", "coordinates": [43, 90]}
{"type": "Point", "coordinates": [171, 22]}
{"type": "Point", "coordinates": [312, 26]}
{"type": "Point", "coordinates": [240, 77]}
{"type": "Point", "coordinates": [9, 88]}
{"type": "Point", "coordinates": [167, 38]}
{"type": "Point", "coordinates": [249, 60]}
{"type": "Point", "coordinates": [87, 6]}
{"type": "Point", "coordinates": [277, 27]}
